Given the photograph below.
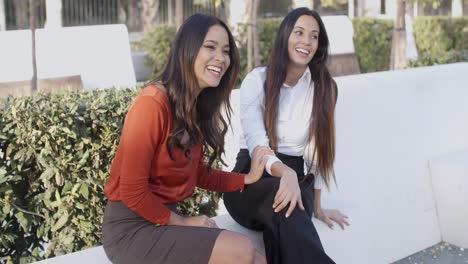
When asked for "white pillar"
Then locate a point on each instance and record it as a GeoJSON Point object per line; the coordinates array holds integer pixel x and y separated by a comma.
{"type": "Point", "coordinates": [2, 16]}
{"type": "Point", "coordinates": [350, 8]}
{"type": "Point", "coordinates": [53, 14]}
{"type": "Point", "coordinates": [457, 8]}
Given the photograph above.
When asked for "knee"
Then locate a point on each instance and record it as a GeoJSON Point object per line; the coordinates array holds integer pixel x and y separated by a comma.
{"type": "Point", "coordinates": [246, 251]}
{"type": "Point", "coordinates": [231, 247]}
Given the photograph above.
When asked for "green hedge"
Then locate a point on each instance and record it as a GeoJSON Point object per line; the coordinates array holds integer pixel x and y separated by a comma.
{"type": "Point", "coordinates": [55, 154]}
{"type": "Point", "coordinates": [440, 40]}
{"type": "Point", "coordinates": [373, 43]}
{"type": "Point", "coordinates": [267, 29]}
{"type": "Point", "coordinates": [157, 42]}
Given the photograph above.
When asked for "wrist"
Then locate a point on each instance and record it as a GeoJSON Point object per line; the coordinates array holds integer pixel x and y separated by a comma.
{"type": "Point", "coordinates": [247, 179]}
{"type": "Point", "coordinates": [176, 219]}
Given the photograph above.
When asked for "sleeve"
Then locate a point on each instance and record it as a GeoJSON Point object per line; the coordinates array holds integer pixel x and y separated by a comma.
{"type": "Point", "coordinates": [251, 115]}
{"type": "Point", "coordinates": [218, 180]}
{"type": "Point", "coordinates": [143, 131]}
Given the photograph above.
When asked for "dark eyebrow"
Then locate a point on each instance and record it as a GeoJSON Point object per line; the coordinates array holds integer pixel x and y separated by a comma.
{"type": "Point", "coordinates": [212, 41]}
{"type": "Point", "coordinates": [216, 43]}
{"type": "Point", "coordinates": [304, 29]}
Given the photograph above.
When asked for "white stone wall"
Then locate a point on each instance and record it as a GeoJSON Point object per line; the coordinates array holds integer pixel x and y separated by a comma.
{"type": "Point", "coordinates": [389, 125]}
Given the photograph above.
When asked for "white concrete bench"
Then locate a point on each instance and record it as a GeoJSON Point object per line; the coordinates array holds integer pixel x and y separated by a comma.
{"type": "Point", "coordinates": [99, 54]}
{"type": "Point", "coordinates": [394, 130]}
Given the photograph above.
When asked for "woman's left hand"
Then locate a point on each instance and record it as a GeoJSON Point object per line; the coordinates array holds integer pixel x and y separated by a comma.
{"type": "Point", "coordinates": [328, 216]}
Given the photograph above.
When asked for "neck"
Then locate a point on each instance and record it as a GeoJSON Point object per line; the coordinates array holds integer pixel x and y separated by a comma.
{"type": "Point", "coordinates": [294, 73]}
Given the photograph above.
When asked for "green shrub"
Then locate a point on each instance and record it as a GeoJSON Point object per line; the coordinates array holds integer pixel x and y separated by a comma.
{"type": "Point", "coordinates": [373, 43]}
{"type": "Point", "coordinates": [55, 155]}
{"type": "Point", "coordinates": [450, 57]}
{"type": "Point", "coordinates": [440, 40]}
{"type": "Point", "coordinates": [267, 28]}
{"type": "Point", "coordinates": [157, 42]}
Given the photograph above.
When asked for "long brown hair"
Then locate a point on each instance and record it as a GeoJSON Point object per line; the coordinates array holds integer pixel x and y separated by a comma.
{"type": "Point", "coordinates": [322, 119]}
{"type": "Point", "coordinates": [199, 115]}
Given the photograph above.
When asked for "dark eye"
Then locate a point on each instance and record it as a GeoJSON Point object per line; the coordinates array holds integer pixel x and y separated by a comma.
{"type": "Point", "coordinates": [226, 51]}
{"type": "Point", "coordinates": [209, 47]}
{"type": "Point", "coordinates": [299, 33]}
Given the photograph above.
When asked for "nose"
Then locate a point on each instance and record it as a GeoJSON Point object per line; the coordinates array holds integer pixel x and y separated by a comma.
{"type": "Point", "coordinates": [308, 40]}
{"type": "Point", "coordinates": [219, 56]}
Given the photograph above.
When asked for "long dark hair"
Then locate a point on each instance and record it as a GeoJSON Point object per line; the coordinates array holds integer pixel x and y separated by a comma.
{"type": "Point", "coordinates": [199, 115]}
{"type": "Point", "coordinates": [322, 120]}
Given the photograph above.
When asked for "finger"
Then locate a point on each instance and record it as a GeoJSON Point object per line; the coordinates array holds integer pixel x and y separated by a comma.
{"type": "Point", "coordinates": [301, 205]}
{"type": "Point", "coordinates": [292, 205]}
{"type": "Point", "coordinates": [281, 197]}
{"type": "Point", "coordinates": [282, 205]}
{"type": "Point", "coordinates": [279, 194]}
{"type": "Point", "coordinates": [328, 222]}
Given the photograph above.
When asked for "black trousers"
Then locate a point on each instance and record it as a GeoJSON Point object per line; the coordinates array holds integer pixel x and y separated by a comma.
{"type": "Point", "coordinates": [292, 240]}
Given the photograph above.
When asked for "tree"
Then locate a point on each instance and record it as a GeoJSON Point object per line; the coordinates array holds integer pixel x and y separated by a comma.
{"type": "Point", "coordinates": [253, 52]}
{"type": "Point", "coordinates": [398, 52]}
{"type": "Point", "coordinates": [32, 24]}
{"type": "Point", "coordinates": [129, 14]}
{"type": "Point", "coordinates": [150, 13]}
{"type": "Point", "coordinates": [398, 58]}
{"type": "Point", "coordinates": [179, 13]}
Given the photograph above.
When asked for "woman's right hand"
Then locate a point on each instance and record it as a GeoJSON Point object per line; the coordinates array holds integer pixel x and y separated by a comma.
{"type": "Point", "coordinates": [288, 193]}
{"type": "Point", "coordinates": [199, 220]}
{"type": "Point", "coordinates": [257, 164]}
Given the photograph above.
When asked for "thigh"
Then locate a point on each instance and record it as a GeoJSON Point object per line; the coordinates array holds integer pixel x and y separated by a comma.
{"type": "Point", "coordinates": [128, 238]}
{"type": "Point", "coordinates": [253, 207]}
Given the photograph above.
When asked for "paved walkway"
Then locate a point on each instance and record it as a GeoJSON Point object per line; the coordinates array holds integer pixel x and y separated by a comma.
{"type": "Point", "coordinates": [442, 253]}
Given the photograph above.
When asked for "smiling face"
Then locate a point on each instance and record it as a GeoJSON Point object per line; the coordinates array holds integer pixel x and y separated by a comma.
{"type": "Point", "coordinates": [303, 41]}
{"type": "Point", "coordinates": [212, 59]}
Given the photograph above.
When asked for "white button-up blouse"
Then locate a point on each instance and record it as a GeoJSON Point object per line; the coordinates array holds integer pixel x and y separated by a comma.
{"type": "Point", "coordinates": [295, 108]}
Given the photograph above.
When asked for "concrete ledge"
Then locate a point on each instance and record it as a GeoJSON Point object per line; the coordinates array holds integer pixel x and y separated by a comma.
{"type": "Point", "coordinates": [449, 174]}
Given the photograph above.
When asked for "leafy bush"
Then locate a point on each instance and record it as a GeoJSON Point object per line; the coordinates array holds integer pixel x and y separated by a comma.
{"type": "Point", "coordinates": [440, 40]}
{"type": "Point", "coordinates": [267, 28]}
{"type": "Point", "coordinates": [55, 155]}
{"type": "Point", "coordinates": [373, 43]}
{"type": "Point", "coordinates": [450, 57]}
{"type": "Point", "coordinates": [157, 42]}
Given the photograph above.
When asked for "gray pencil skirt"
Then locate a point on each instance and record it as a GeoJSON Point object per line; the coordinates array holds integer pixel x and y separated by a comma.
{"type": "Point", "coordinates": [129, 238]}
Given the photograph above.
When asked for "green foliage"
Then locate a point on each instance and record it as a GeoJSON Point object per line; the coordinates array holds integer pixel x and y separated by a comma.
{"type": "Point", "coordinates": [450, 57]}
{"type": "Point", "coordinates": [373, 43]}
{"type": "Point", "coordinates": [267, 29]}
{"type": "Point", "coordinates": [440, 40]}
{"type": "Point", "coordinates": [55, 155]}
{"type": "Point", "coordinates": [157, 42]}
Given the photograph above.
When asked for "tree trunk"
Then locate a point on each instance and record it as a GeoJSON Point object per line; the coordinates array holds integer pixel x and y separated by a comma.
{"type": "Point", "coordinates": [170, 12]}
{"type": "Point", "coordinates": [32, 24]}
{"type": "Point", "coordinates": [398, 58]}
{"type": "Point", "coordinates": [150, 13]}
{"type": "Point", "coordinates": [21, 14]}
{"type": "Point", "coordinates": [179, 13]}
{"type": "Point", "coordinates": [249, 37]}
{"type": "Point", "coordinates": [256, 42]}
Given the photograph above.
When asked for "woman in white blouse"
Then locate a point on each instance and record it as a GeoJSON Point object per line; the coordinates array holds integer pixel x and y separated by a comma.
{"type": "Point", "coordinates": [289, 106]}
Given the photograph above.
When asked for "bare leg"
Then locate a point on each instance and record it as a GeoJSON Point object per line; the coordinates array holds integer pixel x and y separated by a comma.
{"type": "Point", "coordinates": [231, 247]}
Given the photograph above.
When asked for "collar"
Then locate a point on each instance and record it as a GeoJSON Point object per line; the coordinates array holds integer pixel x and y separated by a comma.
{"type": "Point", "coordinates": [305, 77]}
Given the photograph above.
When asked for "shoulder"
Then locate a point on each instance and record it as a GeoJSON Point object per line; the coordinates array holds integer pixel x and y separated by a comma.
{"type": "Point", "coordinates": [258, 73]}
{"type": "Point", "coordinates": [154, 92]}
